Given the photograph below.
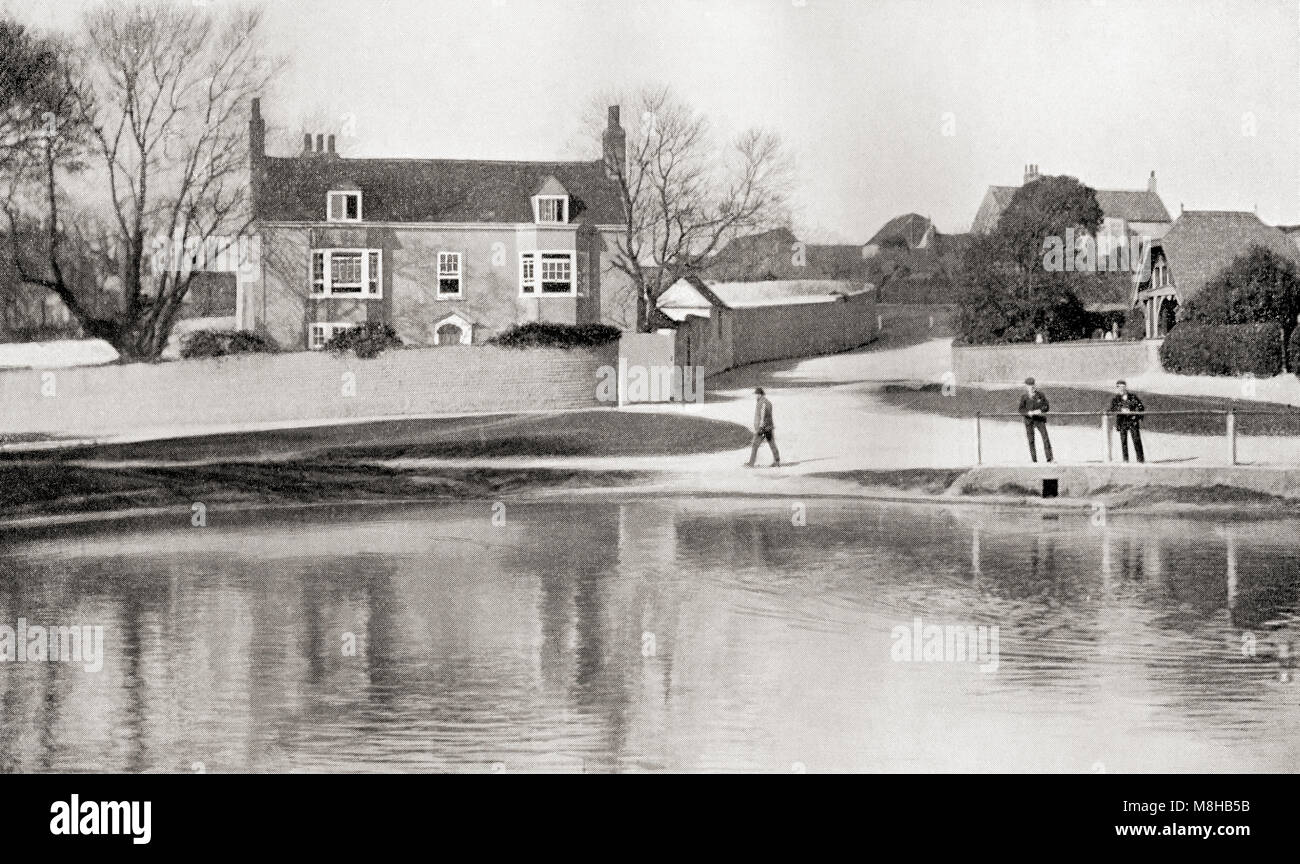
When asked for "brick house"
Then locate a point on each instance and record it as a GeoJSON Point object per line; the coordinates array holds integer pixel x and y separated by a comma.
{"type": "Point", "coordinates": [446, 251]}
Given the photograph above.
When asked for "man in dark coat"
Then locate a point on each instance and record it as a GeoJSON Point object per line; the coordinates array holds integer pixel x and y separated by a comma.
{"type": "Point", "coordinates": [1034, 408]}
{"type": "Point", "coordinates": [1128, 408]}
{"type": "Point", "coordinates": [764, 430]}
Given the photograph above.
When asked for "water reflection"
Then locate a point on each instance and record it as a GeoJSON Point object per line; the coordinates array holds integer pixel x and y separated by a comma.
{"type": "Point", "coordinates": [656, 635]}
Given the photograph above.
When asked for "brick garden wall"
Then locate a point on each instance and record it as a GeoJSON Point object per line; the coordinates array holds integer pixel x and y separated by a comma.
{"type": "Point", "coordinates": [191, 395]}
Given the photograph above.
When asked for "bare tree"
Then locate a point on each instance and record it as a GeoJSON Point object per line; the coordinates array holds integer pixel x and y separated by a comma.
{"type": "Point", "coordinates": [172, 86]}
{"type": "Point", "coordinates": [43, 133]}
{"type": "Point", "coordinates": [683, 198]}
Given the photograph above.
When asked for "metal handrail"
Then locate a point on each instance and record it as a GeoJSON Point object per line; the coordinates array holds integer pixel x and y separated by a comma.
{"type": "Point", "coordinates": [1213, 412]}
{"type": "Point", "coordinates": [1230, 415]}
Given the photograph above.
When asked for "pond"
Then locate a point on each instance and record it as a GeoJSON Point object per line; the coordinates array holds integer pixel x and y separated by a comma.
{"type": "Point", "coordinates": [662, 634]}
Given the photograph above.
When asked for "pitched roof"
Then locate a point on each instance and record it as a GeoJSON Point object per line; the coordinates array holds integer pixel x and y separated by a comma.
{"type": "Point", "coordinates": [910, 228]}
{"type": "Point", "coordinates": [1132, 205]}
{"type": "Point", "coordinates": [1203, 242]}
{"type": "Point", "coordinates": [434, 190]}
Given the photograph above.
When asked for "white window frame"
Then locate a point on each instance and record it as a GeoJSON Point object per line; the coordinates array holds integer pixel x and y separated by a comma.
{"type": "Point", "coordinates": [458, 274]}
{"type": "Point", "coordinates": [327, 331]}
{"type": "Point", "coordinates": [369, 274]}
{"type": "Point", "coordinates": [562, 200]}
{"type": "Point", "coordinates": [329, 205]}
{"type": "Point", "coordinates": [532, 286]}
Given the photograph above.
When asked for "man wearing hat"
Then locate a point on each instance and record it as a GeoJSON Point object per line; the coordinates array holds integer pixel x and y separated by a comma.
{"type": "Point", "coordinates": [1034, 408]}
{"type": "Point", "coordinates": [1128, 408]}
{"type": "Point", "coordinates": [763, 430]}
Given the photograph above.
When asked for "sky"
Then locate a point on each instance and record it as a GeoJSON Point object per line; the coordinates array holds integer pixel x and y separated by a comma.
{"type": "Point", "coordinates": [888, 106]}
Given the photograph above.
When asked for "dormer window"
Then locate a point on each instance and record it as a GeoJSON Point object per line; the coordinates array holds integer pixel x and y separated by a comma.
{"type": "Point", "coordinates": [552, 209]}
{"type": "Point", "coordinates": [343, 207]}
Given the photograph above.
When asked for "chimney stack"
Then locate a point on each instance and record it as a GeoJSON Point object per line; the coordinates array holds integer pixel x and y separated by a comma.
{"type": "Point", "coordinates": [256, 154]}
{"type": "Point", "coordinates": [320, 143]}
{"type": "Point", "coordinates": [306, 142]}
{"type": "Point", "coordinates": [330, 144]}
{"type": "Point", "coordinates": [1151, 183]}
{"type": "Point", "coordinates": [256, 130]}
{"type": "Point", "coordinates": [1031, 173]}
{"type": "Point", "coordinates": [614, 145]}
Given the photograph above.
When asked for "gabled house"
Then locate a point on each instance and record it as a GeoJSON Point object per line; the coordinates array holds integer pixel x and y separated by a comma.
{"type": "Point", "coordinates": [447, 251]}
{"type": "Point", "coordinates": [1125, 212]}
{"type": "Point", "coordinates": [1195, 250]}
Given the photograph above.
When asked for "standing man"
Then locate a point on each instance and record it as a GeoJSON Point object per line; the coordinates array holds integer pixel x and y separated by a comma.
{"type": "Point", "coordinates": [1128, 408]}
{"type": "Point", "coordinates": [763, 430]}
{"type": "Point", "coordinates": [1034, 408]}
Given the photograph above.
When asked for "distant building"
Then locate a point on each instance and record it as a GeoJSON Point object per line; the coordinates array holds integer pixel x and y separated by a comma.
{"type": "Point", "coordinates": [909, 231]}
{"type": "Point", "coordinates": [1195, 250]}
{"type": "Point", "coordinates": [1125, 212]}
{"type": "Point", "coordinates": [778, 254]}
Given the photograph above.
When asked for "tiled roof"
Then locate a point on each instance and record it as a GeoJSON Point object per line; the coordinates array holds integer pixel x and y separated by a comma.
{"type": "Point", "coordinates": [1202, 242]}
{"type": "Point", "coordinates": [434, 190]}
{"type": "Point", "coordinates": [1132, 205]}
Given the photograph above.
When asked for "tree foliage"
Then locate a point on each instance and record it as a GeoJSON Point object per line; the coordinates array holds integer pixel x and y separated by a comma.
{"type": "Point", "coordinates": [1259, 285]}
{"type": "Point", "coordinates": [1005, 291]}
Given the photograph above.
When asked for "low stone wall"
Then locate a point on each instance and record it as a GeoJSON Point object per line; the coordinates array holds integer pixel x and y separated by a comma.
{"type": "Point", "coordinates": [1090, 481]}
{"type": "Point", "coordinates": [306, 386]}
{"type": "Point", "coordinates": [1058, 362]}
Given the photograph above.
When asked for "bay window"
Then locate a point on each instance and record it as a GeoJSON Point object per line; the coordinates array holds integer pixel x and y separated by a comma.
{"type": "Point", "coordinates": [346, 273]}
{"type": "Point", "coordinates": [547, 273]}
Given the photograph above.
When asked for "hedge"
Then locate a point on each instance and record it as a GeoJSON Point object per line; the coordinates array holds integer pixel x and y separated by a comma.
{"type": "Point", "coordinates": [222, 343]}
{"type": "Point", "coordinates": [546, 334]}
{"type": "Point", "coordinates": [1225, 349]}
{"type": "Point", "coordinates": [365, 340]}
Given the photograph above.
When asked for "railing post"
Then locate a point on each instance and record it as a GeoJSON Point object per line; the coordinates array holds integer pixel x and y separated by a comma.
{"type": "Point", "coordinates": [1232, 436]}
{"type": "Point", "coordinates": [1105, 433]}
{"type": "Point", "coordinates": [979, 448]}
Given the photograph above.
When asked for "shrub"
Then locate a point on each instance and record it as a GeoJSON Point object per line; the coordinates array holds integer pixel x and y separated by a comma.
{"type": "Point", "coordinates": [546, 334]}
{"type": "Point", "coordinates": [1228, 349]}
{"type": "Point", "coordinates": [1135, 324]}
{"type": "Point", "coordinates": [221, 343]}
{"type": "Point", "coordinates": [365, 340]}
{"type": "Point", "coordinates": [1293, 351]}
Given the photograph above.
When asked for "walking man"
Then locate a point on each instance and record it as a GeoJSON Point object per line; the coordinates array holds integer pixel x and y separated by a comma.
{"type": "Point", "coordinates": [763, 430]}
{"type": "Point", "coordinates": [1128, 408]}
{"type": "Point", "coordinates": [1034, 408]}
